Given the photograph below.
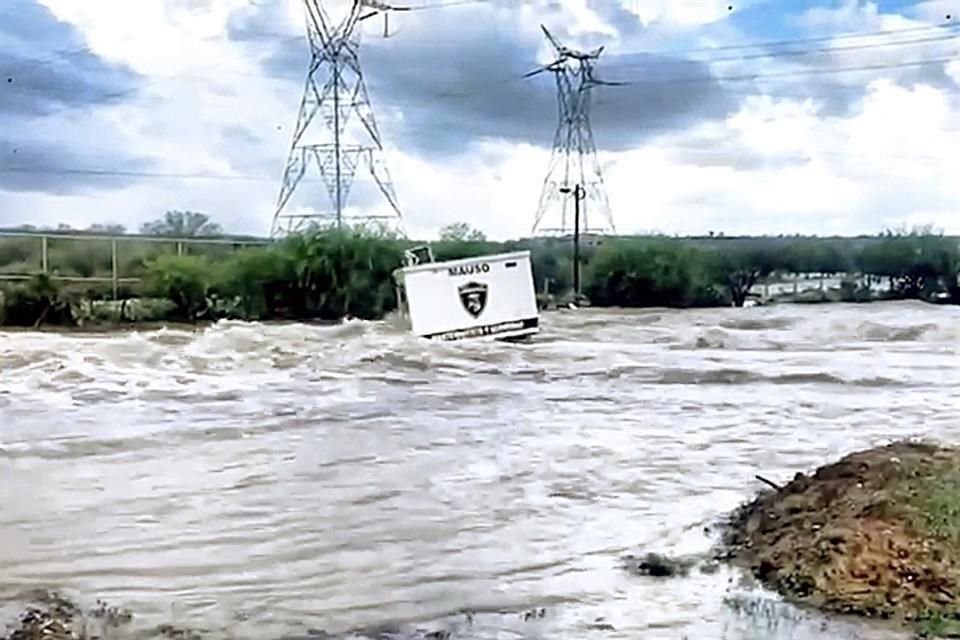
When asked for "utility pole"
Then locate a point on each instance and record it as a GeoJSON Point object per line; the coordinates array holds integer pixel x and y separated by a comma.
{"type": "Point", "coordinates": [579, 193]}
{"type": "Point", "coordinates": [337, 153]}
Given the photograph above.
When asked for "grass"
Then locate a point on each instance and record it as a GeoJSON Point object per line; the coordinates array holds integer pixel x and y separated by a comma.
{"type": "Point", "coordinates": [938, 626]}
{"type": "Point", "coordinates": [932, 500]}
{"type": "Point", "coordinates": [939, 501]}
{"type": "Point", "coordinates": [929, 498]}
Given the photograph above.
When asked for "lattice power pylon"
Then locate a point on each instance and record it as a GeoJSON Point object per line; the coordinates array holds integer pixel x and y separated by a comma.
{"type": "Point", "coordinates": [336, 132]}
{"type": "Point", "coordinates": [574, 159]}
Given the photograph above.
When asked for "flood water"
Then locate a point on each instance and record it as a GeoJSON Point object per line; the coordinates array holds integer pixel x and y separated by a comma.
{"type": "Point", "coordinates": [252, 481]}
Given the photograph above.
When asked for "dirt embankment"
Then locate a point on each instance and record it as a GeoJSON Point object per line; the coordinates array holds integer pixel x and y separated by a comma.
{"type": "Point", "coordinates": [875, 534]}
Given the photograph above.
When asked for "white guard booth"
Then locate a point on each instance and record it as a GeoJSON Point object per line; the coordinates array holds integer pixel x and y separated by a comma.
{"type": "Point", "coordinates": [488, 296]}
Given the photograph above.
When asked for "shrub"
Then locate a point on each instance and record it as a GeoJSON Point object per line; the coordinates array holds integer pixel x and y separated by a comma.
{"type": "Point", "coordinates": [637, 273]}
{"type": "Point", "coordinates": [35, 302]}
{"type": "Point", "coordinates": [340, 273]}
{"type": "Point", "coordinates": [15, 252]}
{"type": "Point", "coordinates": [82, 258]}
{"type": "Point", "coordinates": [256, 284]}
{"type": "Point", "coordinates": [183, 280]}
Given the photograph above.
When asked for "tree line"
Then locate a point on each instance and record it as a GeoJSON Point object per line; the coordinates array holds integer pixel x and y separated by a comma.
{"type": "Point", "coordinates": [173, 224]}
{"type": "Point", "coordinates": [332, 274]}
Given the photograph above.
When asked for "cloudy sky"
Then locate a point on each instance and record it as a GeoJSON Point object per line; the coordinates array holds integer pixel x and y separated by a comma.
{"type": "Point", "coordinates": [740, 116]}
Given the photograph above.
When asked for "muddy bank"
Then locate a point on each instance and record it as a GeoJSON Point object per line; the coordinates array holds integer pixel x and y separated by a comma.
{"type": "Point", "coordinates": [50, 615]}
{"type": "Point", "coordinates": [876, 534]}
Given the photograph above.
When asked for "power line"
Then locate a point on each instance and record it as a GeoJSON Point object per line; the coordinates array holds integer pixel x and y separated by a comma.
{"type": "Point", "coordinates": [951, 35]}
{"type": "Point", "coordinates": [804, 52]}
{"type": "Point", "coordinates": [729, 47]}
{"type": "Point", "coordinates": [692, 80]}
{"type": "Point", "coordinates": [201, 78]}
{"type": "Point", "coordinates": [403, 8]}
{"type": "Point", "coordinates": [794, 73]}
{"type": "Point", "coordinates": [133, 174]}
{"type": "Point", "coordinates": [808, 153]}
{"type": "Point", "coordinates": [773, 156]}
{"type": "Point", "coordinates": [734, 78]}
{"type": "Point", "coordinates": [406, 6]}
{"type": "Point", "coordinates": [947, 26]}
{"type": "Point", "coordinates": [759, 92]}
{"type": "Point", "coordinates": [841, 36]}
{"type": "Point", "coordinates": [712, 150]}
{"type": "Point", "coordinates": [787, 74]}
{"type": "Point", "coordinates": [442, 5]}
{"type": "Point", "coordinates": [663, 81]}
{"type": "Point", "coordinates": [809, 72]}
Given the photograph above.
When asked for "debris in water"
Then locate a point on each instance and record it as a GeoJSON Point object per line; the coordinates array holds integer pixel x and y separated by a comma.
{"type": "Point", "coordinates": [111, 616]}
{"type": "Point", "coordinates": [534, 613]}
{"type": "Point", "coordinates": [177, 633]}
{"type": "Point", "coordinates": [658, 566]}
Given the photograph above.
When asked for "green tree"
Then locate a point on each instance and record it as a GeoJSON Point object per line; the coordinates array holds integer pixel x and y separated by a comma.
{"type": "Point", "coordinates": [257, 283]}
{"type": "Point", "coordinates": [553, 268]}
{"type": "Point", "coordinates": [645, 273]}
{"type": "Point", "coordinates": [183, 280]}
{"type": "Point", "coordinates": [340, 273]}
{"type": "Point", "coordinates": [739, 268]}
{"type": "Point", "coordinates": [916, 263]}
{"type": "Point", "coordinates": [39, 300]}
{"type": "Point", "coordinates": [461, 232]}
{"type": "Point", "coordinates": [817, 256]}
{"type": "Point", "coordinates": [82, 258]}
{"type": "Point", "coordinates": [182, 224]}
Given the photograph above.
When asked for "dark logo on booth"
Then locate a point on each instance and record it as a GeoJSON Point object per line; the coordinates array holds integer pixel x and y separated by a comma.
{"type": "Point", "coordinates": [473, 295]}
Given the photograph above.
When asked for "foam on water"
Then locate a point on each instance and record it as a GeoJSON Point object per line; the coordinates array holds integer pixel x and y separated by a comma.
{"type": "Point", "coordinates": [350, 475]}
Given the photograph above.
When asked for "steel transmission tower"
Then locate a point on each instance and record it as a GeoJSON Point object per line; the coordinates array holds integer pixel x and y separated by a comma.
{"type": "Point", "coordinates": [336, 130]}
{"type": "Point", "coordinates": [574, 160]}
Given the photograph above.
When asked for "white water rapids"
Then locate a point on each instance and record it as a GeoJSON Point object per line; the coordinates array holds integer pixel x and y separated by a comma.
{"type": "Point", "coordinates": [256, 481]}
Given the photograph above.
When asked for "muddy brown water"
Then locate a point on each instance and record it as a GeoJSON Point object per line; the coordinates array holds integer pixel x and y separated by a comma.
{"type": "Point", "coordinates": [254, 481]}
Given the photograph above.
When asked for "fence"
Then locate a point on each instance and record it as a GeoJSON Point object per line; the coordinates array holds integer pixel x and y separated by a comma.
{"type": "Point", "coordinates": [96, 259]}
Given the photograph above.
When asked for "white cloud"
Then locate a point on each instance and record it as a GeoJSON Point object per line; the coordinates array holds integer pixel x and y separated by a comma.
{"type": "Point", "coordinates": [680, 13]}
{"type": "Point", "coordinates": [855, 16]}
{"type": "Point", "coordinates": [154, 36]}
{"type": "Point", "coordinates": [953, 70]}
{"type": "Point", "coordinates": [894, 159]}
{"type": "Point", "coordinates": [775, 166]}
{"type": "Point", "coordinates": [937, 11]}
{"type": "Point", "coordinates": [584, 20]}
{"type": "Point", "coordinates": [496, 190]}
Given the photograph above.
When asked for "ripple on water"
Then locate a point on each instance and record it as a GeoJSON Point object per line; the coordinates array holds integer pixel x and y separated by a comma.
{"type": "Point", "coordinates": [337, 477]}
